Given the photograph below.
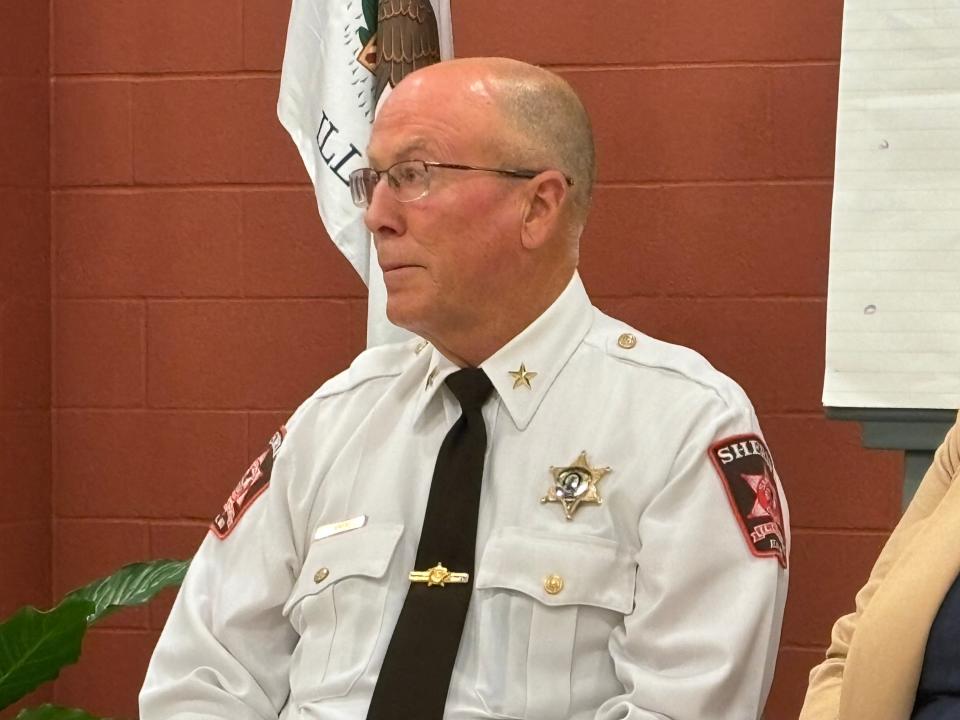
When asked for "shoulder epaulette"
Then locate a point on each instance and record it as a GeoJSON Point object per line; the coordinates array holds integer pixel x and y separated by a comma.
{"type": "Point", "coordinates": [623, 342]}
{"type": "Point", "coordinates": [377, 362]}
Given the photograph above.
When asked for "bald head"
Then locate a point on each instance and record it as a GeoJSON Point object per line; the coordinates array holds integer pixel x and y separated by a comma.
{"type": "Point", "coordinates": [475, 257]}
{"type": "Point", "coordinates": [544, 123]}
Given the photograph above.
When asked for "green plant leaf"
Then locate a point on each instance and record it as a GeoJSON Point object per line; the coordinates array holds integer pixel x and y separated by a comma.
{"type": "Point", "coordinates": [130, 585]}
{"type": "Point", "coordinates": [55, 712]}
{"type": "Point", "coordinates": [34, 646]}
{"type": "Point", "coordinates": [370, 10]}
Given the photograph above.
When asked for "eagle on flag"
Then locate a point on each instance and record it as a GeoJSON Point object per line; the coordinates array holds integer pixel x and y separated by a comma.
{"type": "Point", "coordinates": [407, 39]}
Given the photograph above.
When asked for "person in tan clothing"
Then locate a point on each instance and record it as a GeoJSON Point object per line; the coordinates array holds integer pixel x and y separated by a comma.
{"type": "Point", "coordinates": [897, 656]}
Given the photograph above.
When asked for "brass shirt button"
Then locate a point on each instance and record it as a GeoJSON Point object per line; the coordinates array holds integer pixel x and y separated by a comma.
{"type": "Point", "coordinates": [627, 341]}
{"type": "Point", "coordinates": [553, 584]}
{"type": "Point", "coordinates": [320, 575]}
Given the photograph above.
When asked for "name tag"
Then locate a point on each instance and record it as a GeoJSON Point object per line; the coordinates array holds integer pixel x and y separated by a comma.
{"type": "Point", "coordinates": [325, 531]}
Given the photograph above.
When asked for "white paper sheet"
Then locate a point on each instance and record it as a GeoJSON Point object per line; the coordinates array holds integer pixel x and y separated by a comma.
{"type": "Point", "coordinates": [893, 307]}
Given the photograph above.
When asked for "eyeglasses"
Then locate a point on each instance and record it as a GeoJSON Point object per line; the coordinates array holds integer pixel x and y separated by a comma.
{"type": "Point", "coordinates": [410, 179]}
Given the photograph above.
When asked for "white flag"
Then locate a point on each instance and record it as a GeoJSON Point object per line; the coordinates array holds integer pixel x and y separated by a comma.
{"type": "Point", "coordinates": [327, 105]}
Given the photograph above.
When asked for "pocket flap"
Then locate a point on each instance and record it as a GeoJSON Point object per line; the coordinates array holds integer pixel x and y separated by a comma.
{"type": "Point", "coordinates": [366, 551]}
{"type": "Point", "coordinates": [591, 570]}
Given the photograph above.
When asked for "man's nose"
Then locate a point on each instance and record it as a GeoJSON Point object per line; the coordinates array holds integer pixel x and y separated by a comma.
{"type": "Point", "coordinates": [383, 216]}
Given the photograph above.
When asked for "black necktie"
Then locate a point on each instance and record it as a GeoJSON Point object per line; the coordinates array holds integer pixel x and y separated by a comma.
{"type": "Point", "coordinates": [416, 671]}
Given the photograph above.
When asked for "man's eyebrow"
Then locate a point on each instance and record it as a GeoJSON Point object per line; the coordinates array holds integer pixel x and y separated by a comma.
{"type": "Point", "coordinates": [412, 147]}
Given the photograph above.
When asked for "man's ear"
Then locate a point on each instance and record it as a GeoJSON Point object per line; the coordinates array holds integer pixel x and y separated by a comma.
{"type": "Point", "coordinates": [544, 204]}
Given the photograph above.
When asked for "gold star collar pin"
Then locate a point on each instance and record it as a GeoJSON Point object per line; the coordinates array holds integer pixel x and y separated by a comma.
{"type": "Point", "coordinates": [522, 377]}
{"type": "Point", "coordinates": [574, 484]}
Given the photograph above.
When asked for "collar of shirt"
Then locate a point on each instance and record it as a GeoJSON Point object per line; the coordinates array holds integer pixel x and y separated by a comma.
{"type": "Point", "coordinates": [543, 348]}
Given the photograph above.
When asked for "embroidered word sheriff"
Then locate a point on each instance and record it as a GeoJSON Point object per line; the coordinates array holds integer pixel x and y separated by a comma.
{"type": "Point", "coordinates": [749, 480]}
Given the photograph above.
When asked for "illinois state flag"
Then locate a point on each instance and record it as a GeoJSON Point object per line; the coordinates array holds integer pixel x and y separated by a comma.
{"type": "Point", "coordinates": [341, 57]}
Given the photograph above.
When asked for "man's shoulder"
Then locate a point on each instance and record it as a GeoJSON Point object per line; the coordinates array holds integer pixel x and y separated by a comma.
{"type": "Point", "coordinates": [343, 400]}
{"type": "Point", "coordinates": [382, 361]}
{"type": "Point", "coordinates": [636, 351]}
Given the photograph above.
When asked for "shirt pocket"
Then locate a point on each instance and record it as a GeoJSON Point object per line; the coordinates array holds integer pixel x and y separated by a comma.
{"type": "Point", "coordinates": [544, 599]}
{"type": "Point", "coordinates": [337, 607]}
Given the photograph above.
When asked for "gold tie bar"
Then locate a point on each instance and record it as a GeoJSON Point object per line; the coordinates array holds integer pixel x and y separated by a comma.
{"type": "Point", "coordinates": [438, 575]}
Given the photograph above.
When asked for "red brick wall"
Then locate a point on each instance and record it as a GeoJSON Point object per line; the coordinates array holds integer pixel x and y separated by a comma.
{"type": "Point", "coordinates": [196, 299]}
{"type": "Point", "coordinates": [24, 307]}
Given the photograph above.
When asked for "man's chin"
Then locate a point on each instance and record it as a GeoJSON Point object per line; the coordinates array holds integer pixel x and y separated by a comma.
{"type": "Point", "coordinates": [403, 315]}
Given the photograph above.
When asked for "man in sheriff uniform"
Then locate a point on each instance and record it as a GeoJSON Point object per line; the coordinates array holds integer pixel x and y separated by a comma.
{"type": "Point", "coordinates": [534, 512]}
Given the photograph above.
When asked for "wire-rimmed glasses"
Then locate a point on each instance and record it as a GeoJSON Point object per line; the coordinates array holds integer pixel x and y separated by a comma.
{"type": "Point", "coordinates": [409, 180]}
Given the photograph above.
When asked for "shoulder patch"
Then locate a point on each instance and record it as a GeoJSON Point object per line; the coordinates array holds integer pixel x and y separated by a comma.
{"type": "Point", "coordinates": [749, 480]}
{"type": "Point", "coordinates": [254, 481]}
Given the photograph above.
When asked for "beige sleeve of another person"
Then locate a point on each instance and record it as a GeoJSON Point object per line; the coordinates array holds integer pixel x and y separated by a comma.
{"type": "Point", "coordinates": [822, 701]}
